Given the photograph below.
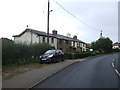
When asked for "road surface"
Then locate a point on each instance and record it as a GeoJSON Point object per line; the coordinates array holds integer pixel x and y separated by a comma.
{"type": "Point", "coordinates": [93, 73]}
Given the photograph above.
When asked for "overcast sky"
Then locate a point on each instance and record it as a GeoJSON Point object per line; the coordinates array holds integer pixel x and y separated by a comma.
{"type": "Point", "coordinates": [93, 15]}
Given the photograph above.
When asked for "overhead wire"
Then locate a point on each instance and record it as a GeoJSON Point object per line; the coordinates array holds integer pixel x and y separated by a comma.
{"type": "Point", "coordinates": [75, 16]}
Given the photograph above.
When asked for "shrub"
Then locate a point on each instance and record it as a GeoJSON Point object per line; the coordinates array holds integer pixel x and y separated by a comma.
{"type": "Point", "coordinates": [67, 56]}
{"type": "Point", "coordinates": [22, 53]}
{"type": "Point", "coordinates": [77, 55]}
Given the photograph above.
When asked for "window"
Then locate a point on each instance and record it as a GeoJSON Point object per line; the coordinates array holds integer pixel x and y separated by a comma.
{"type": "Point", "coordinates": [60, 41]}
{"type": "Point", "coordinates": [50, 52]}
{"type": "Point", "coordinates": [78, 44]}
{"type": "Point", "coordinates": [74, 44]}
{"type": "Point", "coordinates": [52, 40]}
{"type": "Point", "coordinates": [43, 39]}
{"type": "Point", "coordinates": [67, 42]}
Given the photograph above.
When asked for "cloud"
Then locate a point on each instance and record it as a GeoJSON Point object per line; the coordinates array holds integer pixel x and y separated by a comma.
{"type": "Point", "coordinates": [15, 15]}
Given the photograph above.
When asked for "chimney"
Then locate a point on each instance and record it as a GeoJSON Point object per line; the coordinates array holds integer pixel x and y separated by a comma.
{"type": "Point", "coordinates": [75, 37]}
{"type": "Point", "coordinates": [54, 32]}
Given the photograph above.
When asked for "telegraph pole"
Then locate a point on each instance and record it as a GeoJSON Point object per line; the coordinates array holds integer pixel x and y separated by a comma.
{"type": "Point", "coordinates": [48, 21]}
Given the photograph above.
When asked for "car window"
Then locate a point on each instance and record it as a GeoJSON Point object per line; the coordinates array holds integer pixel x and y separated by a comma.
{"type": "Point", "coordinates": [50, 52]}
{"type": "Point", "coordinates": [61, 52]}
{"type": "Point", "coordinates": [57, 51]}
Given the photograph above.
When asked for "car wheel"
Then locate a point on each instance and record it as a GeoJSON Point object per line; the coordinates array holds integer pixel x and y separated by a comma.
{"type": "Point", "coordinates": [62, 59]}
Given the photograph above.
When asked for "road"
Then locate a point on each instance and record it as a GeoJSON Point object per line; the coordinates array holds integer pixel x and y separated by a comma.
{"type": "Point", "coordinates": [93, 73]}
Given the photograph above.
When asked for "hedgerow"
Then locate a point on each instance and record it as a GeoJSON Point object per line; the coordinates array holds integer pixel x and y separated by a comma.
{"type": "Point", "coordinates": [21, 53]}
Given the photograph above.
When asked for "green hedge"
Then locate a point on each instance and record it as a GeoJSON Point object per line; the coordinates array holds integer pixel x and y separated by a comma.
{"type": "Point", "coordinates": [80, 55]}
{"type": "Point", "coordinates": [22, 54]}
{"type": "Point", "coordinates": [77, 55]}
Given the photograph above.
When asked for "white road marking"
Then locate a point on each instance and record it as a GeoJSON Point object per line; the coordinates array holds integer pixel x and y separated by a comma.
{"type": "Point", "coordinates": [117, 72]}
{"type": "Point", "coordinates": [113, 60]}
{"type": "Point", "coordinates": [113, 64]}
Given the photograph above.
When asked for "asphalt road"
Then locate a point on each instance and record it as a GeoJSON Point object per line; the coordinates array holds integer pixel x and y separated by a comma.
{"type": "Point", "coordinates": [93, 73]}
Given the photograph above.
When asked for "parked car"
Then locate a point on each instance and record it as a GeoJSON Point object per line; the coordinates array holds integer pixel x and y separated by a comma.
{"type": "Point", "coordinates": [52, 56]}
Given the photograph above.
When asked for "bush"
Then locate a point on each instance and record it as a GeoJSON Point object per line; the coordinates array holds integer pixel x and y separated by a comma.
{"type": "Point", "coordinates": [68, 56]}
{"type": "Point", "coordinates": [77, 55]}
{"type": "Point", "coordinates": [22, 53]}
{"type": "Point", "coordinates": [116, 50]}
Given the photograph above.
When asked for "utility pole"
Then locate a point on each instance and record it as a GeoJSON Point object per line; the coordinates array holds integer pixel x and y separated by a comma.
{"type": "Point", "coordinates": [48, 22]}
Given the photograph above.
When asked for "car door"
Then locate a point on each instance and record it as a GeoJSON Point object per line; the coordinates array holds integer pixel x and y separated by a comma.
{"type": "Point", "coordinates": [57, 55]}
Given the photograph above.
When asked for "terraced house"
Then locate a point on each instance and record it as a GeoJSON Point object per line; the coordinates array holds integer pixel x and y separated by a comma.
{"type": "Point", "coordinates": [57, 41]}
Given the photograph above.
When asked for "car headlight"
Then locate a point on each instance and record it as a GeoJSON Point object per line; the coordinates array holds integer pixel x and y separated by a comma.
{"type": "Point", "coordinates": [40, 56]}
{"type": "Point", "coordinates": [50, 56]}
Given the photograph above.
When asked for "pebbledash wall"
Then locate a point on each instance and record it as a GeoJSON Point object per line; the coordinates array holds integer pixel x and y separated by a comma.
{"type": "Point", "coordinates": [30, 36]}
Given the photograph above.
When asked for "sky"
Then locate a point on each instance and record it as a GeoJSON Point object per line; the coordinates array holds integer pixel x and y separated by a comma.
{"type": "Point", "coordinates": [93, 15]}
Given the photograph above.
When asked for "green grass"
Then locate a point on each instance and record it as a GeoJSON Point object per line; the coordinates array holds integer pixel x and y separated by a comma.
{"type": "Point", "coordinates": [10, 72]}
{"type": "Point", "coordinates": [6, 77]}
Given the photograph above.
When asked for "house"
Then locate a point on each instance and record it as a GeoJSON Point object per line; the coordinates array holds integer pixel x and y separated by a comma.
{"type": "Point", "coordinates": [65, 43]}
{"type": "Point", "coordinates": [116, 45]}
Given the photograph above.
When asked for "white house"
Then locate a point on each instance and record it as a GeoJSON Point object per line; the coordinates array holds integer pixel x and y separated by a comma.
{"type": "Point", "coordinates": [67, 44]}
{"type": "Point", "coordinates": [116, 45]}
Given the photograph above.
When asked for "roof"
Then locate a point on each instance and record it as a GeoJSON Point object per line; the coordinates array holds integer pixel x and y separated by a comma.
{"type": "Point", "coordinates": [41, 33]}
{"type": "Point", "coordinates": [116, 44]}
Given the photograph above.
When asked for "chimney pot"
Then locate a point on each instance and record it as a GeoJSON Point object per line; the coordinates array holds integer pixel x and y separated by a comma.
{"type": "Point", "coordinates": [54, 32]}
{"type": "Point", "coordinates": [75, 37]}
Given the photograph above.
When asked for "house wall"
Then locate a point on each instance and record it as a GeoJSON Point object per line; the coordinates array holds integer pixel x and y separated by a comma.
{"type": "Point", "coordinates": [63, 45]}
{"type": "Point", "coordinates": [40, 39]}
{"type": "Point", "coordinates": [25, 38]}
{"type": "Point", "coordinates": [114, 47]}
{"type": "Point", "coordinates": [75, 44]}
{"type": "Point", "coordinates": [54, 44]}
{"type": "Point", "coordinates": [84, 47]}
{"type": "Point", "coordinates": [71, 43]}
{"type": "Point", "coordinates": [35, 38]}
{"type": "Point", "coordinates": [29, 38]}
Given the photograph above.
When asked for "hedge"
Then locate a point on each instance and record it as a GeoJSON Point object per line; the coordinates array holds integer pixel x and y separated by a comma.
{"type": "Point", "coordinates": [80, 55]}
{"type": "Point", "coordinates": [77, 55]}
{"type": "Point", "coordinates": [22, 53]}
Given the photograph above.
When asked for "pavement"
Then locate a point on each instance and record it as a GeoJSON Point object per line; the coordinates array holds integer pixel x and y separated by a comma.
{"type": "Point", "coordinates": [33, 77]}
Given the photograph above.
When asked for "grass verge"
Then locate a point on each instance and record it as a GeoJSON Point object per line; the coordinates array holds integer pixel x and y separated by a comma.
{"type": "Point", "coordinates": [10, 72]}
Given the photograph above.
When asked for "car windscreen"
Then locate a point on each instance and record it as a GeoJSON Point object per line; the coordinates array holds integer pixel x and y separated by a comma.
{"type": "Point", "coordinates": [50, 52]}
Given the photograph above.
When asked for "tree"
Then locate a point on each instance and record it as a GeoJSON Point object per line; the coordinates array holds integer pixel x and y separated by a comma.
{"type": "Point", "coordinates": [103, 45]}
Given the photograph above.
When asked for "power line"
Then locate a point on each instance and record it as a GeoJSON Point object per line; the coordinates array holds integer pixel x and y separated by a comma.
{"type": "Point", "coordinates": [75, 16]}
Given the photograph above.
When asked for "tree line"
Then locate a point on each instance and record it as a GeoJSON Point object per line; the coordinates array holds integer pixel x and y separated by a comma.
{"type": "Point", "coordinates": [103, 45]}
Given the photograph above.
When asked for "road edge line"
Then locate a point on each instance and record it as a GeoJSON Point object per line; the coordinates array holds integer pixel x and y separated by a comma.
{"type": "Point", "coordinates": [117, 72]}
{"type": "Point", "coordinates": [114, 67]}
